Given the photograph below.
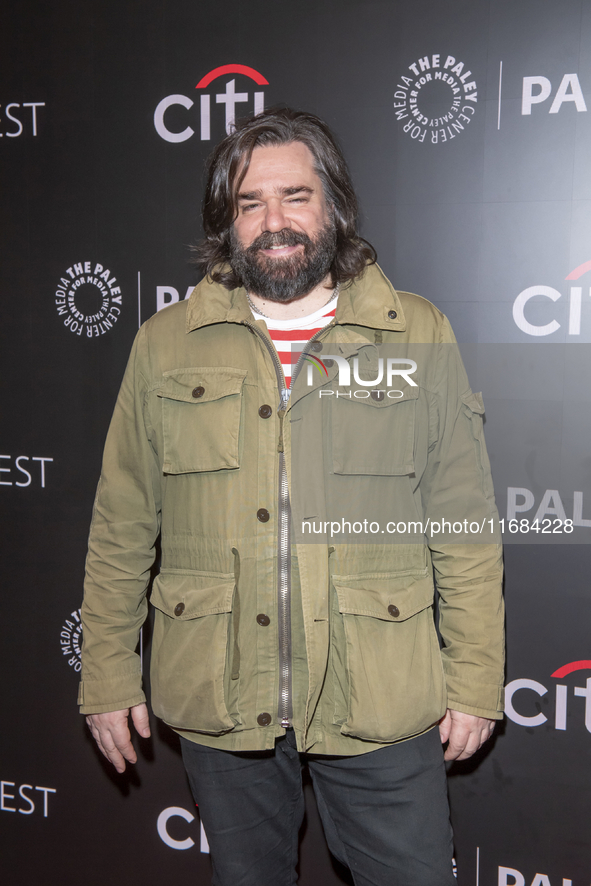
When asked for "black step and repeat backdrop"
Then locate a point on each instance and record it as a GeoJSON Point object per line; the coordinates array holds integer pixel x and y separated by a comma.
{"type": "Point", "coordinates": [467, 125]}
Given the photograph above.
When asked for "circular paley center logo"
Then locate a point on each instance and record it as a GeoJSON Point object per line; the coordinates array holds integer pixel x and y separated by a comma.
{"type": "Point", "coordinates": [71, 640]}
{"type": "Point", "coordinates": [437, 101]}
{"type": "Point", "coordinates": [88, 299]}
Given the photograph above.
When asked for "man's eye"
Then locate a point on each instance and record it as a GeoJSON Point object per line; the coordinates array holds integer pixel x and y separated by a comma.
{"type": "Point", "coordinates": [248, 207]}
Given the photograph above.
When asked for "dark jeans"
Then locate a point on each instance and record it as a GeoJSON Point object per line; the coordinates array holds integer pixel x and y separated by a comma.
{"type": "Point", "coordinates": [385, 813]}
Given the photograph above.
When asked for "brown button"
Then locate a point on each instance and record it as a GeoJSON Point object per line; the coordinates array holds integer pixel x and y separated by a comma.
{"type": "Point", "coordinates": [393, 610]}
{"type": "Point", "coordinates": [179, 608]}
{"type": "Point", "coordinates": [263, 620]}
{"type": "Point", "coordinates": [265, 411]}
{"type": "Point", "coordinates": [262, 515]}
{"type": "Point", "coordinates": [264, 719]}
{"type": "Point", "coordinates": [317, 347]}
{"type": "Point", "coordinates": [198, 392]}
{"type": "Point", "coordinates": [392, 315]}
{"type": "Point", "coordinates": [377, 396]}
{"type": "Point", "coordinates": [328, 363]}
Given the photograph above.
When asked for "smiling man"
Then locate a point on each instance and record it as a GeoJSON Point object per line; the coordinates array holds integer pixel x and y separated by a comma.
{"type": "Point", "coordinates": [283, 240]}
{"type": "Point", "coordinates": [270, 650]}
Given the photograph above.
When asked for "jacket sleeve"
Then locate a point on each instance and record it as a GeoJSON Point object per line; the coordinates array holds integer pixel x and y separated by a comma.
{"type": "Point", "coordinates": [468, 574]}
{"type": "Point", "coordinates": [123, 533]}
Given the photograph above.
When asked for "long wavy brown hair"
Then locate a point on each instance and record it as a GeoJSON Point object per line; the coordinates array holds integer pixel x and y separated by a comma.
{"type": "Point", "coordinates": [229, 164]}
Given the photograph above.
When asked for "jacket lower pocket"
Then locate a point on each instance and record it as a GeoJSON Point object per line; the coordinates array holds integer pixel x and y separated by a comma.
{"type": "Point", "coordinates": [191, 649]}
{"type": "Point", "coordinates": [390, 678]}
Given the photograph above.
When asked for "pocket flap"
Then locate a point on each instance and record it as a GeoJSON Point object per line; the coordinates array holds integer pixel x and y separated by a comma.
{"type": "Point", "coordinates": [186, 595]}
{"type": "Point", "coordinates": [474, 402]}
{"type": "Point", "coordinates": [362, 393]}
{"type": "Point", "coordinates": [391, 598]}
{"type": "Point", "coordinates": [201, 384]}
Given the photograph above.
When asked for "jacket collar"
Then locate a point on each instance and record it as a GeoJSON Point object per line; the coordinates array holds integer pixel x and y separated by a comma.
{"type": "Point", "coordinates": [367, 301]}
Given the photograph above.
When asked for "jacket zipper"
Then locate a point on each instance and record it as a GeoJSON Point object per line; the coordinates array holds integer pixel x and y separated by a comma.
{"type": "Point", "coordinates": [306, 351]}
{"type": "Point", "coordinates": [285, 711]}
{"type": "Point", "coordinates": [285, 707]}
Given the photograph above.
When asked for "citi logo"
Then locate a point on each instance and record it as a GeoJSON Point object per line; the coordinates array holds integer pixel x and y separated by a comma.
{"type": "Point", "coordinates": [229, 99]}
{"type": "Point", "coordinates": [561, 695]}
{"type": "Point", "coordinates": [187, 842]}
{"type": "Point", "coordinates": [575, 305]}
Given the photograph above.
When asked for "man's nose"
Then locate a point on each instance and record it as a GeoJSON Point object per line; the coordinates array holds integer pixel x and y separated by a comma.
{"type": "Point", "coordinates": [275, 218]}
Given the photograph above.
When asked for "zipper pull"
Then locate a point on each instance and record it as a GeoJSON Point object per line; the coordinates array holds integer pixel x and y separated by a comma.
{"type": "Point", "coordinates": [281, 414]}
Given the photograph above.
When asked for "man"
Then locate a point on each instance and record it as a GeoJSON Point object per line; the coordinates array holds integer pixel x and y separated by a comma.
{"type": "Point", "coordinates": [271, 647]}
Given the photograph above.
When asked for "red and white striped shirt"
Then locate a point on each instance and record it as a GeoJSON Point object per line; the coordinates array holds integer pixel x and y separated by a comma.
{"type": "Point", "coordinates": [290, 336]}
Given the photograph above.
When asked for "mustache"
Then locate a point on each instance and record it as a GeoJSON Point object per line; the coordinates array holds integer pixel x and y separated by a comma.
{"type": "Point", "coordinates": [286, 237]}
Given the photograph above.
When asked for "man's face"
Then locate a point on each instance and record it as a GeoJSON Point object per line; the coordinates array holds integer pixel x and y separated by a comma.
{"type": "Point", "coordinates": [283, 241]}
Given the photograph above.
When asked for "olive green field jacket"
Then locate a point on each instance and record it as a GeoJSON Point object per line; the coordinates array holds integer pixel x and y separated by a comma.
{"type": "Point", "coordinates": [382, 444]}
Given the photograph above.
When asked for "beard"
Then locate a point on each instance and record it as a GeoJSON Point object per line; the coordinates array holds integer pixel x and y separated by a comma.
{"type": "Point", "coordinates": [288, 278]}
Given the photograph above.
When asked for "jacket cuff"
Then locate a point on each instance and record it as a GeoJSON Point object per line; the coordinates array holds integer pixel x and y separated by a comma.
{"type": "Point", "coordinates": [489, 713]}
{"type": "Point", "coordinates": [116, 694]}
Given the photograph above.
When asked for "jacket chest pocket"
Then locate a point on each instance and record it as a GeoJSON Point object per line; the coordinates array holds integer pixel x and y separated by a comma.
{"type": "Point", "coordinates": [373, 432]}
{"type": "Point", "coordinates": [201, 410]}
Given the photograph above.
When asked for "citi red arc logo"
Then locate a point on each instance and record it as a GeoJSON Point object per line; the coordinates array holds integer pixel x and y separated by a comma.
{"type": "Point", "coordinates": [230, 98]}
{"type": "Point", "coordinates": [573, 666]}
{"type": "Point", "coordinates": [232, 69]}
{"type": "Point", "coordinates": [578, 272]}
{"type": "Point", "coordinates": [561, 697]}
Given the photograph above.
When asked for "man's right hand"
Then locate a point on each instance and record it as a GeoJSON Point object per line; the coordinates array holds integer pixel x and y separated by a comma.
{"type": "Point", "coordinates": [111, 733]}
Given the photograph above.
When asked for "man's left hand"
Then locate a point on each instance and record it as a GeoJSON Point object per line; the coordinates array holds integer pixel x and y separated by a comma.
{"type": "Point", "coordinates": [465, 733]}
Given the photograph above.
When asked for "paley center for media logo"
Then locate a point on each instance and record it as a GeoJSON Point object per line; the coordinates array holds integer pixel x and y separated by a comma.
{"type": "Point", "coordinates": [88, 299]}
{"type": "Point", "coordinates": [236, 103]}
{"type": "Point", "coordinates": [446, 85]}
{"type": "Point", "coordinates": [71, 640]}
{"type": "Point", "coordinates": [518, 706]}
{"type": "Point", "coordinates": [523, 311]}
